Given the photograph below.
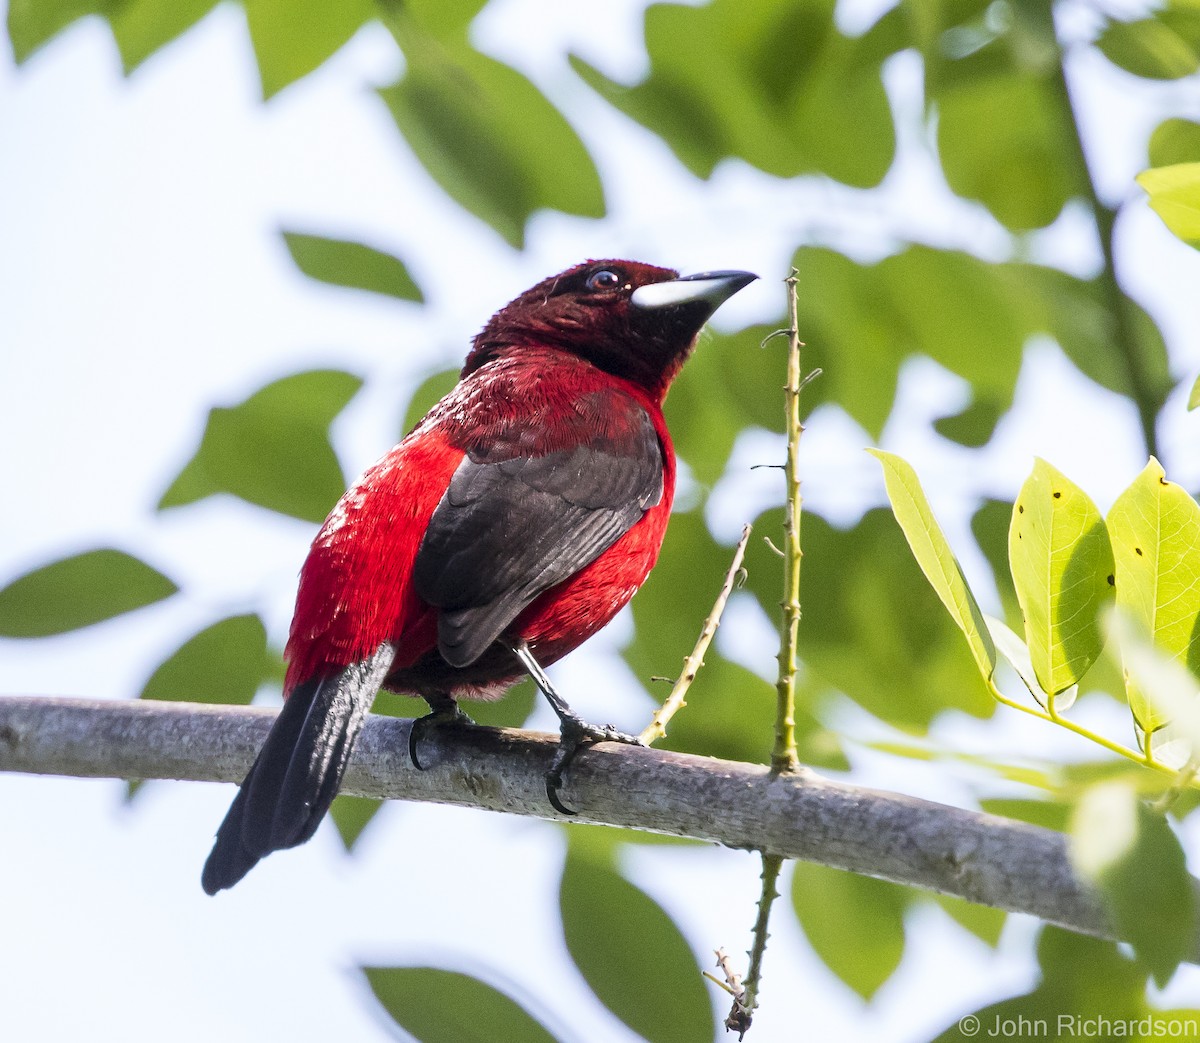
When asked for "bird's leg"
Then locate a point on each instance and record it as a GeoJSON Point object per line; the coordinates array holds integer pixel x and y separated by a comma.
{"type": "Point", "coordinates": [443, 712]}
{"type": "Point", "coordinates": [574, 731]}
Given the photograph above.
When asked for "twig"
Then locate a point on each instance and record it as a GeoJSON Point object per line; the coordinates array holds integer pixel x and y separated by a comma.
{"type": "Point", "coordinates": [739, 1015]}
{"type": "Point", "coordinates": [657, 728]}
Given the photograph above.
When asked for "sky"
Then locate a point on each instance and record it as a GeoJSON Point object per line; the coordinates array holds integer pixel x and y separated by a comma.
{"type": "Point", "coordinates": [142, 280]}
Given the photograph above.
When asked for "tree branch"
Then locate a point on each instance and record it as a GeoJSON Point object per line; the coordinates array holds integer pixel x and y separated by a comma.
{"type": "Point", "coordinates": [993, 861]}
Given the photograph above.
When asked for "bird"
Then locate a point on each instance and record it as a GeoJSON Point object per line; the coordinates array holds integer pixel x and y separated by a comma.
{"type": "Point", "coordinates": [511, 524]}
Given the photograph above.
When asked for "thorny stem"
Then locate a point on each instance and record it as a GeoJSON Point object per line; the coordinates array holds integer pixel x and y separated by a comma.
{"type": "Point", "coordinates": [771, 865]}
{"type": "Point", "coordinates": [783, 756]}
{"type": "Point", "coordinates": [676, 701]}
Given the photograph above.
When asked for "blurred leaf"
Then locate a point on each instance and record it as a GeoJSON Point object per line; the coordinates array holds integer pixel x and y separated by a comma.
{"type": "Point", "coordinates": [351, 815]}
{"type": "Point", "coordinates": [972, 426]}
{"type": "Point", "coordinates": [32, 23]}
{"type": "Point", "coordinates": [871, 625]}
{"type": "Point", "coordinates": [985, 314]}
{"type": "Point", "coordinates": [1051, 814]}
{"type": "Point", "coordinates": [982, 921]}
{"type": "Point", "coordinates": [1085, 983]}
{"type": "Point", "coordinates": [482, 131]}
{"type": "Point", "coordinates": [1153, 48]}
{"type": "Point", "coordinates": [438, 1006]}
{"type": "Point", "coordinates": [1062, 567]}
{"type": "Point", "coordinates": [445, 19]}
{"type": "Point", "coordinates": [345, 263]}
{"type": "Point", "coordinates": [1194, 395]}
{"type": "Point", "coordinates": [1001, 130]}
{"type": "Point", "coordinates": [1170, 688]}
{"type": "Point", "coordinates": [855, 923]}
{"type": "Point", "coordinates": [224, 663]}
{"type": "Point", "coordinates": [729, 384]}
{"type": "Point", "coordinates": [141, 27]}
{"type": "Point", "coordinates": [1136, 860]}
{"type": "Point", "coordinates": [428, 393]}
{"type": "Point", "coordinates": [631, 953]}
{"type": "Point", "coordinates": [79, 591]}
{"type": "Point", "coordinates": [1155, 530]}
{"type": "Point", "coordinates": [1175, 141]}
{"type": "Point", "coordinates": [773, 83]}
{"type": "Point", "coordinates": [273, 449]}
{"type": "Point", "coordinates": [933, 554]}
{"type": "Point", "coordinates": [292, 39]}
{"type": "Point", "coordinates": [1175, 196]}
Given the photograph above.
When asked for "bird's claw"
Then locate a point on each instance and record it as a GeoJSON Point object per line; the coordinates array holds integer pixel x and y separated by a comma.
{"type": "Point", "coordinates": [440, 717]}
{"type": "Point", "coordinates": [574, 735]}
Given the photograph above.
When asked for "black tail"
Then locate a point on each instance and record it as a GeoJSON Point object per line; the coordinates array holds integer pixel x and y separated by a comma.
{"type": "Point", "coordinates": [298, 771]}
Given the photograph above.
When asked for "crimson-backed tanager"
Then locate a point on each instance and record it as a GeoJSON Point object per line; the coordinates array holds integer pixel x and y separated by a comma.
{"type": "Point", "coordinates": [513, 522]}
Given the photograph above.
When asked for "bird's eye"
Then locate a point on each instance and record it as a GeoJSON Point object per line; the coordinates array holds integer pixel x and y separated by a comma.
{"type": "Point", "coordinates": [605, 279]}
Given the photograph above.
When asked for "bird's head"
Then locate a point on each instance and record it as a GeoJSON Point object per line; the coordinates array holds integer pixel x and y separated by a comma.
{"type": "Point", "coordinates": [630, 319]}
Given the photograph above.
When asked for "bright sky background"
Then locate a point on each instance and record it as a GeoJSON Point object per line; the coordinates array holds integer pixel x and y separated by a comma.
{"type": "Point", "coordinates": [142, 280]}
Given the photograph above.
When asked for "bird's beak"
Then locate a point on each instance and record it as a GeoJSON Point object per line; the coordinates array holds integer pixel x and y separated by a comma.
{"type": "Point", "coordinates": [710, 288]}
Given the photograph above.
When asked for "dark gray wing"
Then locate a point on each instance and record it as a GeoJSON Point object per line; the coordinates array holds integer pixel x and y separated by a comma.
{"type": "Point", "coordinates": [508, 529]}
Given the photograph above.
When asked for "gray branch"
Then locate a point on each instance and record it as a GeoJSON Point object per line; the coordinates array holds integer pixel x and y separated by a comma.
{"type": "Point", "coordinates": [993, 861]}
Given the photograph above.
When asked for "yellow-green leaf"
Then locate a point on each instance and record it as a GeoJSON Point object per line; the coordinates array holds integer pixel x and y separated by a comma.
{"type": "Point", "coordinates": [1194, 397]}
{"type": "Point", "coordinates": [1155, 531]}
{"type": "Point", "coordinates": [1062, 569]}
{"type": "Point", "coordinates": [933, 554]}
{"type": "Point", "coordinates": [1175, 196]}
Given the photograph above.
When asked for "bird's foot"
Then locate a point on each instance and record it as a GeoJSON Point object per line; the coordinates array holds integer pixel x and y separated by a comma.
{"type": "Point", "coordinates": [574, 735]}
{"type": "Point", "coordinates": [442, 715]}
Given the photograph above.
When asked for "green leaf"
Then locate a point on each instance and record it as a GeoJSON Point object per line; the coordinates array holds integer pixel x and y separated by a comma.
{"type": "Point", "coordinates": [1062, 567]}
{"type": "Point", "coordinates": [273, 449]}
{"type": "Point", "coordinates": [855, 923]}
{"type": "Point", "coordinates": [32, 23]}
{"type": "Point", "coordinates": [1006, 119]}
{"type": "Point", "coordinates": [428, 393]}
{"type": "Point", "coordinates": [1051, 814]}
{"type": "Point", "coordinates": [774, 84]}
{"type": "Point", "coordinates": [224, 663]}
{"type": "Point", "coordinates": [78, 591]}
{"type": "Point", "coordinates": [292, 39]}
{"type": "Point", "coordinates": [1136, 860]}
{"type": "Point", "coordinates": [438, 1006]}
{"type": "Point", "coordinates": [1018, 656]}
{"type": "Point", "coordinates": [141, 27]}
{"type": "Point", "coordinates": [1175, 196]}
{"type": "Point", "coordinates": [351, 815]}
{"type": "Point", "coordinates": [633, 956]}
{"type": "Point", "coordinates": [982, 921]}
{"type": "Point", "coordinates": [482, 131]}
{"type": "Point", "coordinates": [1085, 982]}
{"type": "Point", "coordinates": [1151, 48]}
{"type": "Point", "coordinates": [974, 425]}
{"type": "Point", "coordinates": [1175, 141]}
{"type": "Point", "coordinates": [1155, 530]}
{"type": "Point", "coordinates": [345, 263]}
{"type": "Point", "coordinates": [1194, 395]}
{"type": "Point", "coordinates": [935, 557]}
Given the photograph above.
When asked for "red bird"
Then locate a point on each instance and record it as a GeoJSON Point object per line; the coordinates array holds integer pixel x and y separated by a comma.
{"type": "Point", "coordinates": [514, 521]}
